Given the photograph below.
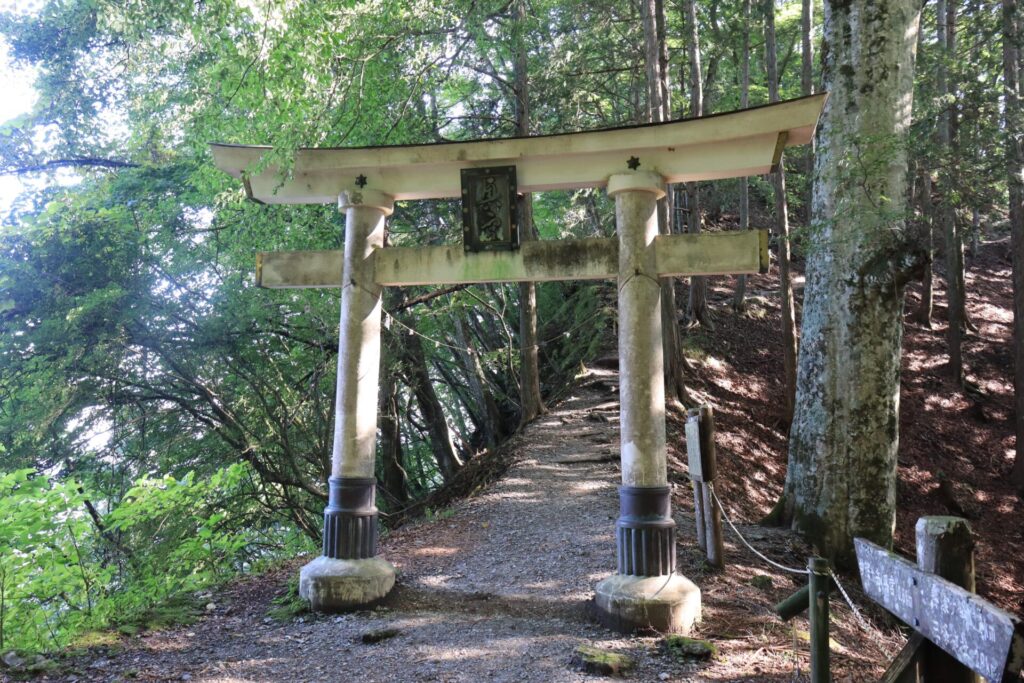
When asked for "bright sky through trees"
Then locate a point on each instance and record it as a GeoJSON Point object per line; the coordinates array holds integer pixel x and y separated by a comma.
{"type": "Point", "coordinates": [17, 98]}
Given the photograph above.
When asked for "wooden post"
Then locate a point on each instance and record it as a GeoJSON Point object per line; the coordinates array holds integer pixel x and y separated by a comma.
{"type": "Point", "coordinates": [709, 468]}
{"type": "Point", "coordinates": [793, 605]}
{"type": "Point", "coordinates": [699, 515]}
{"type": "Point", "coordinates": [945, 548]}
{"type": "Point", "coordinates": [694, 459]}
{"type": "Point", "coordinates": [713, 526]}
{"type": "Point", "coordinates": [818, 614]}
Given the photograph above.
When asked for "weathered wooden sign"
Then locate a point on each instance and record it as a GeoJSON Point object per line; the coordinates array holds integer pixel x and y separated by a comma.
{"type": "Point", "coordinates": [693, 447]}
{"type": "Point", "coordinates": [976, 633]}
{"type": "Point", "coordinates": [489, 217]}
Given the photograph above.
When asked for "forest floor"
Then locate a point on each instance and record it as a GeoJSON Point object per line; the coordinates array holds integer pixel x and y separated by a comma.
{"type": "Point", "coordinates": [496, 586]}
{"type": "Point", "coordinates": [956, 447]}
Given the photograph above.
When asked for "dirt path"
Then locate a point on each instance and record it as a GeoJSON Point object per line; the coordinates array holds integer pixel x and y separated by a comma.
{"type": "Point", "coordinates": [496, 589]}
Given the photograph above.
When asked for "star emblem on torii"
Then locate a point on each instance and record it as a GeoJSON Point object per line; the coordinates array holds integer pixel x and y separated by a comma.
{"type": "Point", "coordinates": [361, 180]}
{"type": "Point", "coordinates": [633, 163]}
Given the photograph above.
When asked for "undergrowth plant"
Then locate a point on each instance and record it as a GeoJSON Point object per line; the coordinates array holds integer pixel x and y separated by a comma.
{"type": "Point", "coordinates": [64, 571]}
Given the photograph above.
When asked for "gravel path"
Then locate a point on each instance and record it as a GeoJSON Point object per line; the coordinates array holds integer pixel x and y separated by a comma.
{"type": "Point", "coordinates": [495, 588]}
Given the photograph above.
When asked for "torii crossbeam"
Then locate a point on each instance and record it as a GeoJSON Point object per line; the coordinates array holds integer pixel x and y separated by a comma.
{"type": "Point", "coordinates": [633, 164]}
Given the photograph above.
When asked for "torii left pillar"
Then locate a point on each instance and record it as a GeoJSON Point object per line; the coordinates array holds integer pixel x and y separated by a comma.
{"type": "Point", "coordinates": [349, 574]}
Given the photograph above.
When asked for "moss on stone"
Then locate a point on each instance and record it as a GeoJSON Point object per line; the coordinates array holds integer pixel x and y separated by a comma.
{"type": "Point", "coordinates": [682, 647]}
{"type": "Point", "coordinates": [602, 662]}
{"type": "Point", "coordinates": [372, 637]}
{"type": "Point", "coordinates": [288, 604]}
{"type": "Point", "coordinates": [762, 581]}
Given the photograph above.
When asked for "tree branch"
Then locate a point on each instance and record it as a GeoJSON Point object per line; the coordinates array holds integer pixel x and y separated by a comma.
{"type": "Point", "coordinates": [74, 162]}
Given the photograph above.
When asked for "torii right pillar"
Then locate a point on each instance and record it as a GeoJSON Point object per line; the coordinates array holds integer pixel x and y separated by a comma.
{"type": "Point", "coordinates": [645, 593]}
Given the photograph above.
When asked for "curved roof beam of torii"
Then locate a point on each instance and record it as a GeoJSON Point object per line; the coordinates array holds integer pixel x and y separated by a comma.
{"type": "Point", "coordinates": [729, 145]}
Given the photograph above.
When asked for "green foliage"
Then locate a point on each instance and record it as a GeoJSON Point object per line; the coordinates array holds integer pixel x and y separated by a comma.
{"type": "Point", "coordinates": [444, 513]}
{"type": "Point", "coordinates": [288, 604]}
{"type": "Point", "coordinates": [49, 586]}
{"type": "Point", "coordinates": [61, 575]}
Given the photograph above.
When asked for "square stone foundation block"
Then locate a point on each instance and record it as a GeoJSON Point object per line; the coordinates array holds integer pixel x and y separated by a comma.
{"type": "Point", "coordinates": [341, 585]}
{"type": "Point", "coordinates": [666, 604]}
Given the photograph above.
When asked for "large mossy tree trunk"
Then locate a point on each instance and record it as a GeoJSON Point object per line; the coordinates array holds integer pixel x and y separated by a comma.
{"type": "Point", "coordinates": [841, 479]}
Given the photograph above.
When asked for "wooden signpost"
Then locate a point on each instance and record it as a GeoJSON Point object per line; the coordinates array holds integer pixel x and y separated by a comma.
{"type": "Point", "coordinates": [633, 164]}
{"type": "Point", "coordinates": [979, 636]}
{"type": "Point", "coordinates": [703, 466]}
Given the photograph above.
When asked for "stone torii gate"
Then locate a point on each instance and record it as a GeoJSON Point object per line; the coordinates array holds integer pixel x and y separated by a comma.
{"type": "Point", "coordinates": [633, 164]}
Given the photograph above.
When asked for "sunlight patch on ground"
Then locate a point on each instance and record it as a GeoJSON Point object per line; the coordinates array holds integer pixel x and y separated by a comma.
{"type": "Point", "coordinates": [433, 551]}
{"type": "Point", "coordinates": [501, 649]}
{"type": "Point", "coordinates": [518, 481]}
{"type": "Point", "coordinates": [714, 363]}
{"type": "Point", "coordinates": [519, 495]}
{"type": "Point", "coordinates": [440, 581]}
{"type": "Point", "coordinates": [589, 486]}
{"type": "Point", "coordinates": [943, 402]}
{"type": "Point", "coordinates": [919, 362]}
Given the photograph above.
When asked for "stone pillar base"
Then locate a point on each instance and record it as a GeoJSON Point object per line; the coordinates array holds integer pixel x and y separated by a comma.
{"type": "Point", "coordinates": [666, 604]}
{"type": "Point", "coordinates": [333, 585]}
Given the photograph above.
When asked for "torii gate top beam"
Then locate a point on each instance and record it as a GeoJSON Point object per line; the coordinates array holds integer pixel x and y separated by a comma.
{"type": "Point", "coordinates": [735, 144]}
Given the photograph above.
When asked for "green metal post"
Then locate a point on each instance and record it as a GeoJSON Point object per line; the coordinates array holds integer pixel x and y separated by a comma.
{"type": "Point", "coordinates": [818, 614]}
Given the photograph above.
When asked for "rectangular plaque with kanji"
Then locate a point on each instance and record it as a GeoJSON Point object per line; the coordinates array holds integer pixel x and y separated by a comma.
{"type": "Point", "coordinates": [490, 221]}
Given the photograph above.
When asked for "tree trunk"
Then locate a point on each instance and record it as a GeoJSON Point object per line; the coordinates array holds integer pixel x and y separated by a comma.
{"type": "Point", "coordinates": [807, 79]}
{"type": "Point", "coordinates": [841, 477]}
{"type": "Point", "coordinates": [658, 109]}
{"type": "Point", "coordinates": [697, 307]}
{"type": "Point", "coordinates": [924, 310]}
{"type": "Point", "coordinates": [952, 8]}
{"type": "Point", "coordinates": [418, 378]}
{"type": "Point", "coordinates": [789, 340]}
{"type": "Point", "coordinates": [807, 48]}
{"type": "Point", "coordinates": [393, 478]}
{"type": "Point", "coordinates": [490, 422]}
{"type": "Point", "coordinates": [946, 212]}
{"type": "Point", "coordinates": [529, 371]}
{"type": "Point", "coordinates": [975, 232]}
{"type": "Point", "coordinates": [738, 304]}
{"type": "Point", "coordinates": [1014, 119]}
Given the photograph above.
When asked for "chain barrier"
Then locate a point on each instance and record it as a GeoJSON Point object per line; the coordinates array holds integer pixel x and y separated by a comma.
{"type": "Point", "coordinates": [791, 570]}
{"type": "Point", "coordinates": [861, 621]}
